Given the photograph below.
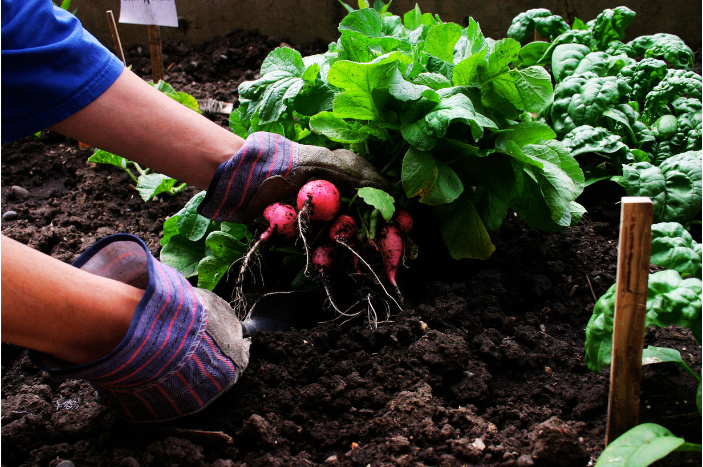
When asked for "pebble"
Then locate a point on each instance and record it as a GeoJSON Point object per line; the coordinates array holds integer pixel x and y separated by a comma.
{"type": "Point", "coordinates": [525, 461]}
{"type": "Point", "coordinates": [9, 216]}
{"type": "Point", "coordinates": [19, 192]}
{"type": "Point", "coordinates": [65, 464]}
{"type": "Point", "coordinates": [129, 462]}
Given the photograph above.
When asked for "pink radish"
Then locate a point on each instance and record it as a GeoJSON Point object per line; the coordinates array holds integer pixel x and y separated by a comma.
{"type": "Point", "coordinates": [403, 220]}
{"type": "Point", "coordinates": [281, 219]}
{"type": "Point", "coordinates": [391, 245]}
{"type": "Point", "coordinates": [319, 200]}
{"type": "Point", "coordinates": [343, 228]}
{"type": "Point", "coordinates": [282, 223]}
{"type": "Point", "coordinates": [323, 258]}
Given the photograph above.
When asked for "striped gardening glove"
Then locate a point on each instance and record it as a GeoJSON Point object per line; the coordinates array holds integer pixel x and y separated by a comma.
{"type": "Point", "coordinates": [270, 168]}
{"type": "Point", "coordinates": [184, 347]}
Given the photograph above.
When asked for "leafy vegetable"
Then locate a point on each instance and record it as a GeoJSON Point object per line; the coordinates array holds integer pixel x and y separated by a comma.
{"type": "Point", "coordinates": [643, 445]}
{"type": "Point", "coordinates": [671, 299]}
{"type": "Point", "coordinates": [437, 108]}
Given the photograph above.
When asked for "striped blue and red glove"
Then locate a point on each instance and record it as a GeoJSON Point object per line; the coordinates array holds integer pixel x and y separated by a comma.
{"type": "Point", "coordinates": [270, 168]}
{"type": "Point", "coordinates": [184, 347]}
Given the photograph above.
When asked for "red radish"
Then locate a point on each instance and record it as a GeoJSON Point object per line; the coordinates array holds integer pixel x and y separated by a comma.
{"type": "Point", "coordinates": [343, 228]}
{"type": "Point", "coordinates": [403, 220]}
{"type": "Point", "coordinates": [281, 219]}
{"type": "Point", "coordinates": [392, 250]}
{"type": "Point", "coordinates": [282, 223]}
{"type": "Point", "coordinates": [323, 259]}
{"type": "Point", "coordinates": [319, 200]}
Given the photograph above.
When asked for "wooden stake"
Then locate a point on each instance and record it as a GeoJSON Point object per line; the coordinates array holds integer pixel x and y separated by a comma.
{"type": "Point", "coordinates": [630, 309]}
{"type": "Point", "coordinates": [115, 36]}
{"type": "Point", "coordinates": [157, 63]}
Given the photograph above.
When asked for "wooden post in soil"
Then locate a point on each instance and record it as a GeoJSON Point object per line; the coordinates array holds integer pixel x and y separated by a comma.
{"type": "Point", "coordinates": [157, 63]}
{"type": "Point", "coordinates": [115, 36]}
{"type": "Point", "coordinates": [630, 309]}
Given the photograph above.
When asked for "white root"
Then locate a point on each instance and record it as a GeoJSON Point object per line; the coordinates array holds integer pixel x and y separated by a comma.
{"type": "Point", "coordinates": [239, 299]}
{"type": "Point", "coordinates": [378, 279]}
{"type": "Point", "coordinates": [302, 229]}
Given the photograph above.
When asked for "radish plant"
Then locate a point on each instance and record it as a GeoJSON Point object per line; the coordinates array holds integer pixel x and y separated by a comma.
{"type": "Point", "coordinates": [438, 109]}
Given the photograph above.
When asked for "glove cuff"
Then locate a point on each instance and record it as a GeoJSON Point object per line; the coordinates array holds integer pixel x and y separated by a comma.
{"type": "Point", "coordinates": [167, 365]}
{"type": "Point", "coordinates": [235, 182]}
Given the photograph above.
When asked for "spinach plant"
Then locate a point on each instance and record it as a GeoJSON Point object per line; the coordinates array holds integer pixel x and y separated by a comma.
{"type": "Point", "coordinates": [442, 111]}
{"type": "Point", "coordinates": [673, 298]}
{"type": "Point", "coordinates": [643, 118]}
{"type": "Point", "coordinates": [148, 183]}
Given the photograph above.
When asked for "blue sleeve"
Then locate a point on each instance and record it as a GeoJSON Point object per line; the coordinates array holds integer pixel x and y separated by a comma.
{"type": "Point", "coordinates": [51, 67]}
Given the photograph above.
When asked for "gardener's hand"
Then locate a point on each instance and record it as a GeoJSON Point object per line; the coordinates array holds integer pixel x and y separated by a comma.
{"type": "Point", "coordinates": [184, 347]}
{"type": "Point", "coordinates": [271, 168]}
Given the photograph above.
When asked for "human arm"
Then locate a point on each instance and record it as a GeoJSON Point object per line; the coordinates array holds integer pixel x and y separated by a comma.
{"type": "Point", "coordinates": [134, 120]}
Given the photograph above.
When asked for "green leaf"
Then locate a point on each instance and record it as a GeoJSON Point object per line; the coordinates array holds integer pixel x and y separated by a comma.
{"type": "Point", "coordinates": [361, 83]}
{"type": "Point", "coordinates": [405, 90]}
{"type": "Point", "coordinates": [534, 88]}
{"type": "Point", "coordinates": [652, 355]}
{"type": "Point", "coordinates": [170, 229]}
{"type": "Point", "coordinates": [566, 58]}
{"type": "Point", "coordinates": [586, 139]}
{"type": "Point", "coordinates": [674, 248]}
{"type": "Point", "coordinates": [463, 231]}
{"type": "Point", "coordinates": [379, 199]}
{"type": "Point", "coordinates": [183, 255]}
{"type": "Point", "coordinates": [337, 129]}
{"type": "Point", "coordinates": [599, 332]}
{"type": "Point", "coordinates": [532, 53]}
{"type": "Point", "coordinates": [192, 225]}
{"type": "Point", "coordinates": [674, 187]}
{"type": "Point", "coordinates": [104, 157]}
{"type": "Point", "coordinates": [283, 59]}
{"type": "Point", "coordinates": [154, 184]}
{"type": "Point", "coordinates": [674, 301]}
{"type": "Point", "coordinates": [441, 39]}
{"type": "Point", "coordinates": [226, 249]}
{"type": "Point", "coordinates": [610, 26]}
{"type": "Point", "coordinates": [667, 46]}
{"type": "Point", "coordinates": [425, 132]}
{"type": "Point", "coordinates": [430, 179]}
{"type": "Point", "coordinates": [365, 21]}
{"type": "Point", "coordinates": [639, 446]}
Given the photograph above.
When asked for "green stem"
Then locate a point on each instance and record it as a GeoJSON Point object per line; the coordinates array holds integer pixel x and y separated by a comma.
{"type": "Point", "coordinates": [177, 189]}
{"type": "Point", "coordinates": [372, 224]}
{"type": "Point", "coordinates": [690, 371]}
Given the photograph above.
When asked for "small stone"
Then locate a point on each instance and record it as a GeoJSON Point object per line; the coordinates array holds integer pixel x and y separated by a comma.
{"type": "Point", "coordinates": [525, 461]}
{"type": "Point", "coordinates": [9, 216]}
{"type": "Point", "coordinates": [129, 462]}
{"type": "Point", "coordinates": [65, 464]}
{"type": "Point", "coordinates": [20, 192]}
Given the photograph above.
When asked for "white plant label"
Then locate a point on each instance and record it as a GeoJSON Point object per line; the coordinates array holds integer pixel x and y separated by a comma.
{"type": "Point", "coordinates": [154, 12]}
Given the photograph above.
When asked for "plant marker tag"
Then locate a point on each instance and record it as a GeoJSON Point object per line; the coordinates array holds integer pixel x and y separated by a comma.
{"type": "Point", "coordinates": [634, 251]}
{"type": "Point", "coordinates": [149, 12]}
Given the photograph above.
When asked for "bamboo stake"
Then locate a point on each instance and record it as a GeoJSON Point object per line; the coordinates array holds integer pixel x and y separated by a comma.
{"type": "Point", "coordinates": [630, 309]}
{"type": "Point", "coordinates": [157, 63]}
{"type": "Point", "coordinates": [115, 36]}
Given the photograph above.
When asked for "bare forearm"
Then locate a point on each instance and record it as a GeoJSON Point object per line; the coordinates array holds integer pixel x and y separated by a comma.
{"type": "Point", "coordinates": [53, 307]}
{"type": "Point", "coordinates": [138, 122]}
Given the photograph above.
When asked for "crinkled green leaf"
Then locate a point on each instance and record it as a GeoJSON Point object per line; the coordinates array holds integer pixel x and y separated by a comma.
{"type": "Point", "coordinates": [610, 25]}
{"type": "Point", "coordinates": [183, 255]}
{"type": "Point", "coordinates": [599, 332]}
{"type": "Point", "coordinates": [674, 186]}
{"type": "Point", "coordinates": [674, 301]}
{"type": "Point", "coordinates": [665, 46]}
{"type": "Point", "coordinates": [585, 139]}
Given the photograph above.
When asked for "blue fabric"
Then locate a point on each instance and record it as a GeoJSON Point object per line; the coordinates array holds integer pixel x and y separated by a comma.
{"type": "Point", "coordinates": [51, 67]}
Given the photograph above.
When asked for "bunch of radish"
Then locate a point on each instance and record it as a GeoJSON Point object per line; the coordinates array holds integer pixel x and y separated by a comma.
{"type": "Point", "coordinates": [318, 204]}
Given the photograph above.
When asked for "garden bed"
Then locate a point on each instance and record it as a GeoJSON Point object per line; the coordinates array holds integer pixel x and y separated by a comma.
{"type": "Point", "coordinates": [483, 367]}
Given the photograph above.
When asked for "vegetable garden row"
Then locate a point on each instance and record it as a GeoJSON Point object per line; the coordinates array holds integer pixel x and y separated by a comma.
{"type": "Point", "coordinates": [476, 138]}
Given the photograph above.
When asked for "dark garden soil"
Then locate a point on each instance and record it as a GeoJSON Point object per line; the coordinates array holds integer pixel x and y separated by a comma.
{"type": "Point", "coordinates": [483, 367]}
